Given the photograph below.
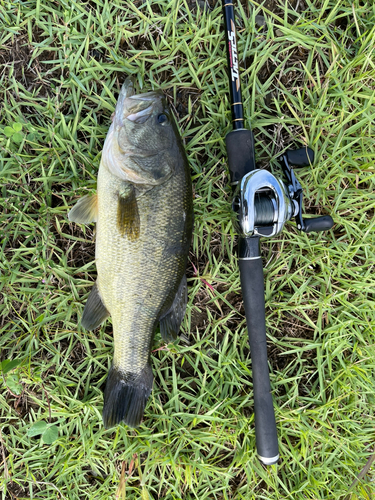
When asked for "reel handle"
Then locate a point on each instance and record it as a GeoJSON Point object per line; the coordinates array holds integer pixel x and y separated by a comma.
{"type": "Point", "coordinates": [302, 157]}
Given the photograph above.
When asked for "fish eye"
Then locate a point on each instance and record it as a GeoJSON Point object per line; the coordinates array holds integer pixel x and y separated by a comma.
{"type": "Point", "coordinates": [162, 119]}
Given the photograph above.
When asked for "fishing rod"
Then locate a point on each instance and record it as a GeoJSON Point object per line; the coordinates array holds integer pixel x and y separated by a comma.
{"type": "Point", "coordinates": [262, 204]}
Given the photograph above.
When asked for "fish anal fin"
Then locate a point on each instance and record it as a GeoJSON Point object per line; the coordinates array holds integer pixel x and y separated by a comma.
{"type": "Point", "coordinates": [95, 311]}
{"type": "Point", "coordinates": [85, 210]}
{"type": "Point", "coordinates": [170, 323]}
{"type": "Point", "coordinates": [128, 221]}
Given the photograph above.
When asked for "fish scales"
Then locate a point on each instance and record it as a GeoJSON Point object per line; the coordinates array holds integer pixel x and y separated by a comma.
{"type": "Point", "coordinates": [136, 282]}
{"type": "Point", "coordinates": [144, 215]}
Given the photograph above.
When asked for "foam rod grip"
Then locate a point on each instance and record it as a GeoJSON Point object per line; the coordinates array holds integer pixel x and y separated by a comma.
{"type": "Point", "coordinates": [240, 150]}
{"type": "Point", "coordinates": [252, 285]}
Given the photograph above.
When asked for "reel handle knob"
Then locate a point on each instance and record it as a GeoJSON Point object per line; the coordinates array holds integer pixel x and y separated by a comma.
{"type": "Point", "coordinates": [318, 224]}
{"type": "Point", "coordinates": [302, 157]}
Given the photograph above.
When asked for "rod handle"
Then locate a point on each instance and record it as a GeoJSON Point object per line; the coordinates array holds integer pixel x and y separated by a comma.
{"type": "Point", "coordinates": [240, 150]}
{"type": "Point", "coordinates": [252, 285]}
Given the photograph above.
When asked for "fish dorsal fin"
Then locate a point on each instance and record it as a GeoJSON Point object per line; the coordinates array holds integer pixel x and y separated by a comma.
{"type": "Point", "coordinates": [85, 210]}
{"type": "Point", "coordinates": [170, 323]}
{"type": "Point", "coordinates": [128, 221]}
{"type": "Point", "coordinates": [95, 311]}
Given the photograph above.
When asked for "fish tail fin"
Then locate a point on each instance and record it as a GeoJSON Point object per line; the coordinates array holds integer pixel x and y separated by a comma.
{"type": "Point", "coordinates": [125, 396]}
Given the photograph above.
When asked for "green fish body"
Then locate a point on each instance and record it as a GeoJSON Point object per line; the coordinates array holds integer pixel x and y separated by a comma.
{"type": "Point", "coordinates": [144, 215]}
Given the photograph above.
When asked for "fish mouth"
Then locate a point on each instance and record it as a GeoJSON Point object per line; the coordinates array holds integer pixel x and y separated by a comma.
{"type": "Point", "coordinates": [148, 96]}
{"type": "Point", "coordinates": [144, 106]}
{"type": "Point", "coordinates": [137, 108]}
{"type": "Point", "coordinates": [140, 115]}
{"type": "Point", "coordinates": [127, 90]}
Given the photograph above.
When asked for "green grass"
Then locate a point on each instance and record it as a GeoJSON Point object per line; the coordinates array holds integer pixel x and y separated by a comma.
{"type": "Point", "coordinates": [308, 78]}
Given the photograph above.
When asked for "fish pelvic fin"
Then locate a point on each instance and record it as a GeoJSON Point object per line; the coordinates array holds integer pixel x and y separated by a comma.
{"type": "Point", "coordinates": [125, 396]}
{"type": "Point", "coordinates": [85, 210]}
{"type": "Point", "coordinates": [170, 323]}
{"type": "Point", "coordinates": [128, 221]}
{"type": "Point", "coordinates": [95, 311]}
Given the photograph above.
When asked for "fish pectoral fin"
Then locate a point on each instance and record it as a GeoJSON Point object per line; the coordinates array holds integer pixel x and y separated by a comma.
{"type": "Point", "coordinates": [170, 323]}
{"type": "Point", "coordinates": [85, 210]}
{"type": "Point", "coordinates": [95, 311]}
{"type": "Point", "coordinates": [128, 221]}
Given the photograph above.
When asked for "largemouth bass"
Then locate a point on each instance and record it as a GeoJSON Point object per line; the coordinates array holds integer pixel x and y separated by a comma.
{"type": "Point", "coordinates": [144, 219]}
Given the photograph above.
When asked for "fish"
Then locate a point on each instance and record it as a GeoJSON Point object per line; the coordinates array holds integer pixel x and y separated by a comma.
{"type": "Point", "coordinates": [143, 209]}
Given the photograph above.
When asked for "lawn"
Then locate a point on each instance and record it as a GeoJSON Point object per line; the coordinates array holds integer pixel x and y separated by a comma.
{"type": "Point", "coordinates": [308, 78]}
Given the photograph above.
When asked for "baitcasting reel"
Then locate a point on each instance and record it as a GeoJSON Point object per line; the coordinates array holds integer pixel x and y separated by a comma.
{"type": "Point", "coordinates": [264, 203]}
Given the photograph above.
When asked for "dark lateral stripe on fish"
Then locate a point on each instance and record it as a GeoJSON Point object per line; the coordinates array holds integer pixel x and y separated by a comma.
{"type": "Point", "coordinates": [128, 221]}
{"type": "Point", "coordinates": [125, 396]}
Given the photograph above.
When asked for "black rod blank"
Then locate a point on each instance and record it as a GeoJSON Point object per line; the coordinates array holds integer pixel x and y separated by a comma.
{"type": "Point", "coordinates": [234, 70]}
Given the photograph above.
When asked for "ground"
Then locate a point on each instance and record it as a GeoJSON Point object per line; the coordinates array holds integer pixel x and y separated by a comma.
{"type": "Point", "coordinates": [308, 73]}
